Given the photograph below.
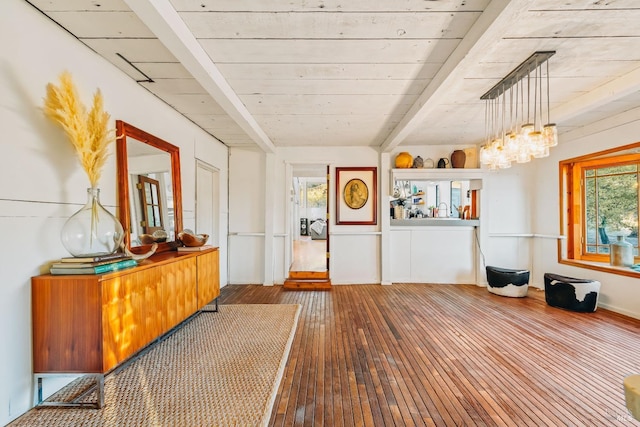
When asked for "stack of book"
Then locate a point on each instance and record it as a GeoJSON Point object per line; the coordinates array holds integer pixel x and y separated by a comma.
{"type": "Point", "coordinates": [93, 265]}
{"type": "Point", "coordinates": [194, 248]}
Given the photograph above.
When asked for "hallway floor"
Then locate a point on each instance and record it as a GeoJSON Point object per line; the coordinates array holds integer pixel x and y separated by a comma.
{"type": "Point", "coordinates": [309, 255]}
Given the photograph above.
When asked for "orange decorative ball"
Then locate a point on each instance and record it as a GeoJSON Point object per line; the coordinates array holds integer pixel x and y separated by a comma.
{"type": "Point", "coordinates": [404, 160]}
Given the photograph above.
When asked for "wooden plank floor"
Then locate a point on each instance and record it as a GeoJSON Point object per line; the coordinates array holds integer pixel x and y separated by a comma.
{"type": "Point", "coordinates": [448, 355]}
{"type": "Point", "coordinates": [309, 255]}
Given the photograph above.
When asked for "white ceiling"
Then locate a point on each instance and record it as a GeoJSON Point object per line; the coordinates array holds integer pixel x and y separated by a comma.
{"type": "Point", "coordinates": [380, 73]}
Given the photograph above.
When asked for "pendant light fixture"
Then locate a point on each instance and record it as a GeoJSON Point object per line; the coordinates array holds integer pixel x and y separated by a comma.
{"type": "Point", "coordinates": [509, 135]}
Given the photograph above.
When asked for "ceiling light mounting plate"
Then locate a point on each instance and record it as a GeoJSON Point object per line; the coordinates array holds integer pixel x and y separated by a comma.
{"type": "Point", "coordinates": [526, 67]}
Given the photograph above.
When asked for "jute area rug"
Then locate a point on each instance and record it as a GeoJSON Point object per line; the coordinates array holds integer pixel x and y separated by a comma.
{"type": "Point", "coordinates": [219, 369]}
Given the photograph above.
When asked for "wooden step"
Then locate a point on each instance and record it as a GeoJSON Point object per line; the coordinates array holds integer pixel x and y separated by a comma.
{"type": "Point", "coordinates": [307, 284]}
{"type": "Point", "coordinates": [308, 274]}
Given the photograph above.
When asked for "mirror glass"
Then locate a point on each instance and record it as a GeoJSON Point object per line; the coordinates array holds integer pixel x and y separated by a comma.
{"type": "Point", "coordinates": [150, 192]}
{"type": "Point", "coordinates": [148, 189]}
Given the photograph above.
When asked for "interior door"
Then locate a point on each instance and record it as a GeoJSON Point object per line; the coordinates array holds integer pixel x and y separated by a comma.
{"type": "Point", "coordinates": [207, 202]}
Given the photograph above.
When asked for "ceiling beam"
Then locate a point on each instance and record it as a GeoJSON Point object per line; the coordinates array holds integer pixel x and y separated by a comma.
{"type": "Point", "coordinates": [490, 26]}
{"type": "Point", "coordinates": [163, 20]}
{"type": "Point", "coordinates": [602, 95]}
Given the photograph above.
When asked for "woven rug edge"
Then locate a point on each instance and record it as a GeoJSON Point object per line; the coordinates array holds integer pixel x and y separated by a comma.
{"type": "Point", "coordinates": [266, 416]}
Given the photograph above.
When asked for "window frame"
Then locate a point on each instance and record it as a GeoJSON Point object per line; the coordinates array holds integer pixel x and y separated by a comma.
{"type": "Point", "coordinates": [573, 212]}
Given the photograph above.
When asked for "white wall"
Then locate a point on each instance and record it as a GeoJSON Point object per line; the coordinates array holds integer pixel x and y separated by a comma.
{"type": "Point", "coordinates": [42, 183]}
{"type": "Point", "coordinates": [350, 245]}
{"type": "Point", "coordinates": [247, 216]}
{"type": "Point", "coordinates": [356, 251]}
{"type": "Point", "coordinates": [505, 210]}
{"type": "Point", "coordinates": [618, 293]}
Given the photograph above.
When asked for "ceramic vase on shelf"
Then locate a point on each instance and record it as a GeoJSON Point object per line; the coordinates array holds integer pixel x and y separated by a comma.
{"type": "Point", "coordinates": [404, 160]}
{"type": "Point", "coordinates": [458, 158]}
{"type": "Point", "coordinates": [621, 252]}
{"type": "Point", "coordinates": [93, 230]}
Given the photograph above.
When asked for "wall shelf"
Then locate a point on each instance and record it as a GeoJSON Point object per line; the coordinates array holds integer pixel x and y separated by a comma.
{"type": "Point", "coordinates": [437, 174]}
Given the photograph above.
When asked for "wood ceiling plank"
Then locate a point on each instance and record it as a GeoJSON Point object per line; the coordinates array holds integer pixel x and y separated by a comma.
{"type": "Point", "coordinates": [326, 25]}
{"type": "Point", "coordinates": [193, 104]}
{"type": "Point", "coordinates": [597, 44]}
{"type": "Point", "coordinates": [334, 130]}
{"type": "Point", "coordinates": [326, 104]}
{"type": "Point", "coordinates": [213, 120]}
{"type": "Point", "coordinates": [163, 70]}
{"type": "Point", "coordinates": [231, 142]}
{"type": "Point", "coordinates": [329, 51]}
{"type": "Point", "coordinates": [135, 50]}
{"type": "Point", "coordinates": [329, 71]}
{"type": "Point", "coordinates": [583, 4]}
{"type": "Point", "coordinates": [611, 91]}
{"type": "Point", "coordinates": [442, 136]}
{"type": "Point", "coordinates": [585, 129]}
{"type": "Point", "coordinates": [329, 138]}
{"type": "Point", "coordinates": [562, 88]}
{"type": "Point", "coordinates": [329, 5]}
{"type": "Point", "coordinates": [354, 121]}
{"type": "Point", "coordinates": [586, 23]}
{"type": "Point", "coordinates": [80, 5]}
{"type": "Point", "coordinates": [175, 86]}
{"type": "Point", "coordinates": [561, 69]}
{"type": "Point", "coordinates": [328, 87]}
{"type": "Point", "coordinates": [166, 24]}
{"type": "Point", "coordinates": [498, 16]}
{"type": "Point", "coordinates": [570, 50]}
{"type": "Point", "coordinates": [123, 24]}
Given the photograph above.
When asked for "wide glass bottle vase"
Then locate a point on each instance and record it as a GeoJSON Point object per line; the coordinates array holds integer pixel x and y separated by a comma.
{"type": "Point", "coordinates": [93, 230]}
{"type": "Point", "coordinates": [621, 253]}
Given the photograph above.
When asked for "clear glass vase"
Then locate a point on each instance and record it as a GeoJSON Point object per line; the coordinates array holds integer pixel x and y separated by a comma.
{"type": "Point", "coordinates": [621, 253]}
{"type": "Point", "coordinates": [93, 230]}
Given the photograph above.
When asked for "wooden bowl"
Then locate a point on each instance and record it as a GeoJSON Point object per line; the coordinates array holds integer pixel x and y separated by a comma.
{"type": "Point", "coordinates": [193, 240]}
{"type": "Point", "coordinates": [149, 239]}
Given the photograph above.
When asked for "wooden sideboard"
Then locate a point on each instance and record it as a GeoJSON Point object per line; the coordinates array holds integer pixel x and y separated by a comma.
{"type": "Point", "coordinates": [93, 323]}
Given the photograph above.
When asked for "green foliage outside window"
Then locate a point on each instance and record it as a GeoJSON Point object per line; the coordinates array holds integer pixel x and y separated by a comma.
{"type": "Point", "coordinates": [611, 205]}
{"type": "Point", "coordinates": [316, 195]}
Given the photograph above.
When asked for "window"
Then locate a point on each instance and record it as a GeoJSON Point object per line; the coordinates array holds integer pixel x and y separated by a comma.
{"type": "Point", "coordinates": [316, 195]}
{"type": "Point", "coordinates": [600, 195]}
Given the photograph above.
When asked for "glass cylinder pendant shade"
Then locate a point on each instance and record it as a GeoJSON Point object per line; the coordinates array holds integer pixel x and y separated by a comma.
{"type": "Point", "coordinates": [93, 230]}
{"type": "Point", "coordinates": [484, 154]}
{"type": "Point", "coordinates": [526, 129]}
{"type": "Point", "coordinates": [537, 144]}
{"type": "Point", "coordinates": [550, 135]}
{"type": "Point", "coordinates": [511, 145]}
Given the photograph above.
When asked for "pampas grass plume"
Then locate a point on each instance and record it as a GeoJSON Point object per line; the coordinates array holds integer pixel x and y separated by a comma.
{"type": "Point", "coordinates": [87, 131]}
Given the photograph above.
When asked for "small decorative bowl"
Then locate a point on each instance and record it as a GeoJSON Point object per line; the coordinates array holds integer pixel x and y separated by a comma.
{"type": "Point", "coordinates": [193, 240]}
{"type": "Point", "coordinates": [149, 239]}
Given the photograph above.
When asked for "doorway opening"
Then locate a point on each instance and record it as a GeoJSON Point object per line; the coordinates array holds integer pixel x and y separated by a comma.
{"type": "Point", "coordinates": [310, 235]}
{"type": "Point", "coordinates": [309, 245]}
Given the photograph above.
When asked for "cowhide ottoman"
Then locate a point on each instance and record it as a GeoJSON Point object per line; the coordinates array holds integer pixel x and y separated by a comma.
{"type": "Point", "coordinates": [571, 293]}
{"type": "Point", "coordinates": [507, 282]}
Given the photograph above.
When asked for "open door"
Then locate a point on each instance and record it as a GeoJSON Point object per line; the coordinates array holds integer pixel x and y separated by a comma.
{"type": "Point", "coordinates": [309, 268]}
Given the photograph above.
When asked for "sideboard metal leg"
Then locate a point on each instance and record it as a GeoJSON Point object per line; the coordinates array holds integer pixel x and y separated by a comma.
{"type": "Point", "coordinates": [76, 402]}
{"type": "Point", "coordinates": [38, 394]}
{"type": "Point", "coordinates": [209, 309]}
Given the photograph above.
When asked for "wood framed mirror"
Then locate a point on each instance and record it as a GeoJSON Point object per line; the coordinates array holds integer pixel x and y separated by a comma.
{"type": "Point", "coordinates": [149, 188]}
